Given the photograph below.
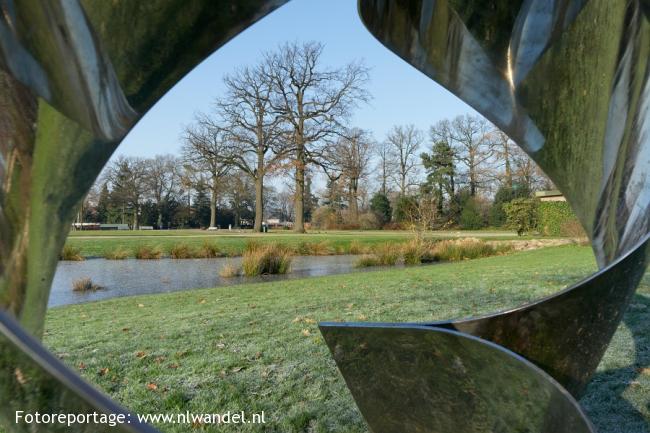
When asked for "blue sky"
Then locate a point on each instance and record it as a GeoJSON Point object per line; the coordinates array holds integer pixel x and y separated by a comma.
{"type": "Point", "coordinates": [401, 94]}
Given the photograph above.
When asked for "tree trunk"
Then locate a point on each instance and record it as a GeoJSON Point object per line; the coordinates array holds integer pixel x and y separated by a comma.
{"type": "Point", "coordinates": [299, 199]}
{"type": "Point", "coordinates": [259, 190]}
{"type": "Point", "coordinates": [354, 206]}
{"type": "Point", "coordinates": [213, 203]}
{"type": "Point", "coordinates": [259, 203]}
{"type": "Point", "coordinates": [136, 223]}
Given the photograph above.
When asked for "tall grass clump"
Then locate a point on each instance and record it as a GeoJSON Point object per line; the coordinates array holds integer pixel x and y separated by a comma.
{"type": "Point", "coordinates": [462, 249]}
{"type": "Point", "coordinates": [147, 252]}
{"type": "Point", "coordinates": [415, 251]}
{"type": "Point", "coordinates": [322, 248]}
{"type": "Point", "coordinates": [85, 285]}
{"type": "Point", "coordinates": [229, 270]}
{"type": "Point", "coordinates": [209, 251]}
{"type": "Point", "coordinates": [252, 245]}
{"type": "Point", "coordinates": [366, 261]}
{"type": "Point", "coordinates": [181, 251]}
{"type": "Point", "coordinates": [71, 253]}
{"type": "Point", "coordinates": [266, 259]}
{"type": "Point", "coordinates": [357, 247]}
{"type": "Point", "coordinates": [387, 254]}
{"type": "Point", "coordinates": [118, 253]}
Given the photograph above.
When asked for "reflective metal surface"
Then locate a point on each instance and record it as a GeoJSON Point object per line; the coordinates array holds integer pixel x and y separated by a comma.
{"type": "Point", "coordinates": [568, 81]}
{"type": "Point", "coordinates": [74, 78]}
{"type": "Point", "coordinates": [419, 379]}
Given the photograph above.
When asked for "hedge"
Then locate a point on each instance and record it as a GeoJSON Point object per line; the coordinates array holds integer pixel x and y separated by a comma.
{"type": "Point", "coordinates": [553, 216]}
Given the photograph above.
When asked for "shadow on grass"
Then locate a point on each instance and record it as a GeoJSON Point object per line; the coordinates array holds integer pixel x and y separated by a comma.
{"type": "Point", "coordinates": [617, 399]}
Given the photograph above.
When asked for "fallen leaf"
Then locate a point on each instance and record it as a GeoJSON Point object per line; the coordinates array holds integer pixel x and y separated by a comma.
{"type": "Point", "coordinates": [306, 332]}
{"type": "Point", "coordinates": [202, 301]}
{"type": "Point", "coordinates": [141, 305]}
{"type": "Point", "coordinates": [159, 359]}
{"type": "Point", "coordinates": [152, 386]}
{"type": "Point", "coordinates": [220, 346]}
{"type": "Point", "coordinates": [20, 377]}
{"type": "Point", "coordinates": [126, 329]}
{"type": "Point", "coordinates": [173, 366]}
{"type": "Point", "coordinates": [140, 354]}
{"type": "Point", "coordinates": [103, 371]}
{"type": "Point", "coordinates": [82, 366]}
{"type": "Point", "coordinates": [236, 369]}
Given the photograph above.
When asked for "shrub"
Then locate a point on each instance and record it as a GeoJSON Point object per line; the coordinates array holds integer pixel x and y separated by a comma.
{"type": "Point", "coordinates": [369, 221]}
{"type": "Point", "coordinates": [405, 209]}
{"type": "Point", "coordinates": [387, 254]}
{"type": "Point", "coordinates": [324, 218]}
{"type": "Point", "coordinates": [85, 285]}
{"type": "Point", "coordinates": [505, 194]}
{"type": "Point", "coordinates": [147, 252]}
{"type": "Point", "coordinates": [366, 261]}
{"type": "Point", "coordinates": [380, 207]}
{"type": "Point", "coordinates": [471, 217]}
{"type": "Point", "coordinates": [521, 214]}
{"type": "Point", "coordinates": [572, 229]}
{"type": "Point", "coordinates": [71, 253]}
{"type": "Point", "coordinates": [208, 251]}
{"type": "Point", "coordinates": [181, 251]}
{"type": "Point", "coordinates": [229, 270]}
{"type": "Point", "coordinates": [118, 253]}
{"type": "Point", "coordinates": [552, 215]}
{"type": "Point", "coordinates": [268, 259]}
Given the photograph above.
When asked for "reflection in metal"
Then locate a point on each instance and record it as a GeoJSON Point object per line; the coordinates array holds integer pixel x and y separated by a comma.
{"type": "Point", "coordinates": [568, 81]}
{"type": "Point", "coordinates": [75, 76]}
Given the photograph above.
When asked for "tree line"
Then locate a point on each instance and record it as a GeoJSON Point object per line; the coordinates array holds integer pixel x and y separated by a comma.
{"type": "Point", "coordinates": [287, 117]}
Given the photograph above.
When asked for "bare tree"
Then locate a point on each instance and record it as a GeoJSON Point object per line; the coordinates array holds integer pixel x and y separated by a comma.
{"type": "Point", "coordinates": [127, 176]}
{"type": "Point", "coordinates": [474, 148]}
{"type": "Point", "coordinates": [404, 142]}
{"type": "Point", "coordinates": [526, 173]}
{"type": "Point", "coordinates": [253, 128]}
{"type": "Point", "coordinates": [313, 103]}
{"type": "Point", "coordinates": [503, 153]}
{"type": "Point", "coordinates": [206, 149]}
{"type": "Point", "coordinates": [162, 180]}
{"type": "Point", "coordinates": [384, 165]}
{"type": "Point", "coordinates": [351, 156]}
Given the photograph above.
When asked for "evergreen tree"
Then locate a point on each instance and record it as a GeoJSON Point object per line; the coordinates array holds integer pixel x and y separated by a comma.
{"type": "Point", "coordinates": [380, 206]}
{"type": "Point", "coordinates": [103, 204]}
{"type": "Point", "coordinates": [441, 172]}
{"type": "Point", "coordinates": [201, 205]}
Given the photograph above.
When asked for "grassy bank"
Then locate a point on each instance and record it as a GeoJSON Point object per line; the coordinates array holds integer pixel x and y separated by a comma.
{"type": "Point", "coordinates": [257, 347]}
{"type": "Point", "coordinates": [103, 243]}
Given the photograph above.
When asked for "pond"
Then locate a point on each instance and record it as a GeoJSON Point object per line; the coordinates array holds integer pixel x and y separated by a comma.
{"type": "Point", "coordinates": [137, 277]}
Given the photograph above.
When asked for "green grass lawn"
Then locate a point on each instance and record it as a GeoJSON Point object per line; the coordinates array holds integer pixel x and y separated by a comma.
{"type": "Point", "coordinates": [97, 243]}
{"type": "Point", "coordinates": [257, 347]}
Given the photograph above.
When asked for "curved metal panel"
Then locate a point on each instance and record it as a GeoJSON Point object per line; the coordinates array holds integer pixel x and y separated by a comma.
{"type": "Point", "coordinates": [409, 378]}
{"type": "Point", "coordinates": [568, 81]}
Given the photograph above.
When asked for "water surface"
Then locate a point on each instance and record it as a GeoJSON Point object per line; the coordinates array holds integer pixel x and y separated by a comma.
{"type": "Point", "coordinates": [137, 277]}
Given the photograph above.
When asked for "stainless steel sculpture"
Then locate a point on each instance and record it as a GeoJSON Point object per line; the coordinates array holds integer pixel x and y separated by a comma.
{"type": "Point", "coordinates": [74, 79]}
{"type": "Point", "coordinates": [566, 79]}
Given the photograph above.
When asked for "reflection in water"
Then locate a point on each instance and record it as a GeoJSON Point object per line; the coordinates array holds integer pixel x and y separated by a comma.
{"type": "Point", "coordinates": [136, 277]}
